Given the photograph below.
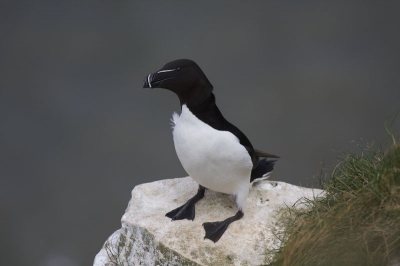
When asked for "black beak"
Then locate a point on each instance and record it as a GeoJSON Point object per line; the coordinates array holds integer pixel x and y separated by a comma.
{"type": "Point", "coordinates": [147, 81]}
{"type": "Point", "coordinates": [151, 82]}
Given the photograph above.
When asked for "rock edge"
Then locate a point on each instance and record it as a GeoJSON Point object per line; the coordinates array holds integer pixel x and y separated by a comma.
{"type": "Point", "coordinates": [147, 237]}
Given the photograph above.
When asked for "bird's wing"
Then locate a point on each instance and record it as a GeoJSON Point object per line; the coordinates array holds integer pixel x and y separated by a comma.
{"type": "Point", "coordinates": [209, 113]}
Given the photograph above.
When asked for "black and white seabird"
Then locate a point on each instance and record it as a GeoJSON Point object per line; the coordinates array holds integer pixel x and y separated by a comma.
{"type": "Point", "coordinates": [215, 153]}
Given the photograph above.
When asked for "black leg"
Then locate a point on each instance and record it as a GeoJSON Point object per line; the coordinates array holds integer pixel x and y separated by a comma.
{"type": "Point", "coordinates": [186, 211]}
{"type": "Point", "coordinates": [215, 230]}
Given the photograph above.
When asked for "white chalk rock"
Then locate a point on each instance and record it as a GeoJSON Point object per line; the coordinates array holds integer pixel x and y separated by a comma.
{"type": "Point", "coordinates": [147, 237]}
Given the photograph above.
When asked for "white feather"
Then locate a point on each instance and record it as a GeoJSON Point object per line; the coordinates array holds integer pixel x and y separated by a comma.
{"type": "Point", "coordinates": [174, 120]}
{"type": "Point", "coordinates": [215, 159]}
{"type": "Point", "coordinates": [265, 176]}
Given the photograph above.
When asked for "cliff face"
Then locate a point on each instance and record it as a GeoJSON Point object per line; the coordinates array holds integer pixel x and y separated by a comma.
{"type": "Point", "coordinates": [147, 237]}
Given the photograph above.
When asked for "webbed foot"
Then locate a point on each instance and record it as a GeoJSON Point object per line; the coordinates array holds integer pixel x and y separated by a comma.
{"type": "Point", "coordinates": [214, 230]}
{"type": "Point", "coordinates": [187, 210]}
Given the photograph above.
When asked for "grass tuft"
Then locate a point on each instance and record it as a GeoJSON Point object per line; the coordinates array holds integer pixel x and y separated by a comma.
{"type": "Point", "coordinates": [358, 220]}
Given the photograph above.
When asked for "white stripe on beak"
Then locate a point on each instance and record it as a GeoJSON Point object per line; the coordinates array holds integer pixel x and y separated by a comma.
{"type": "Point", "coordinates": [148, 80]}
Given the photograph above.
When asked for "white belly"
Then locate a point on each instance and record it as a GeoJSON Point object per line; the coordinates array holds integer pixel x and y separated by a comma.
{"type": "Point", "coordinates": [215, 159]}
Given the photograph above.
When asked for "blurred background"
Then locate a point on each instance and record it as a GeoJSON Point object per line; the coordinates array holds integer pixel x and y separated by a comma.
{"type": "Point", "coordinates": [78, 132]}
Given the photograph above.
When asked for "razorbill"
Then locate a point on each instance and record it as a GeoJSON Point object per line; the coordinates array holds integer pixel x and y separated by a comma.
{"type": "Point", "coordinates": [215, 153]}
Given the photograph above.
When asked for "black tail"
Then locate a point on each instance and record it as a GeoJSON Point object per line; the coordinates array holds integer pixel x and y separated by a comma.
{"type": "Point", "coordinates": [263, 168]}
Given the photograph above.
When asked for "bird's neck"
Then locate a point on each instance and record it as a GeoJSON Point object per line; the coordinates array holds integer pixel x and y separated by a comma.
{"type": "Point", "coordinates": [199, 96]}
{"type": "Point", "coordinates": [201, 104]}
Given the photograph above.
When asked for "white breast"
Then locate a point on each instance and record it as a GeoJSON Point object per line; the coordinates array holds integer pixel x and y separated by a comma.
{"type": "Point", "coordinates": [215, 159]}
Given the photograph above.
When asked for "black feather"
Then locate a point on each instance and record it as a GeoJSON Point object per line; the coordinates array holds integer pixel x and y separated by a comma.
{"type": "Point", "coordinates": [263, 167]}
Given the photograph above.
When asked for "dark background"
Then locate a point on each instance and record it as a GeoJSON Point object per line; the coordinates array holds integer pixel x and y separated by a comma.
{"type": "Point", "coordinates": [78, 132]}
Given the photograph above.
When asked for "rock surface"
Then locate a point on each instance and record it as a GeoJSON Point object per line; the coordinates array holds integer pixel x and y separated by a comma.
{"type": "Point", "coordinates": [147, 237]}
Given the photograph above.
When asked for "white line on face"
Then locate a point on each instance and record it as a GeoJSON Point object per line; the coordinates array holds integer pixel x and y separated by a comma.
{"type": "Point", "coordinates": [168, 70]}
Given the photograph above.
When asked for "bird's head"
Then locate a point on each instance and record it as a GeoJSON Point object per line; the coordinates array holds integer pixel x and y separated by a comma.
{"type": "Point", "coordinates": [183, 77]}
